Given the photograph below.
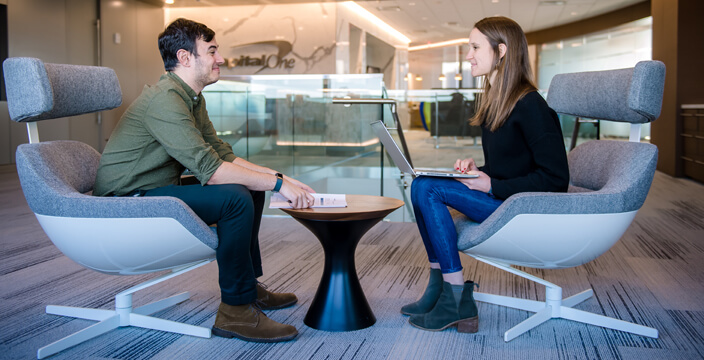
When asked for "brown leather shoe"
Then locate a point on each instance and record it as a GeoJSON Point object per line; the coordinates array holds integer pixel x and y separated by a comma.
{"type": "Point", "coordinates": [268, 300]}
{"type": "Point", "coordinates": [249, 323]}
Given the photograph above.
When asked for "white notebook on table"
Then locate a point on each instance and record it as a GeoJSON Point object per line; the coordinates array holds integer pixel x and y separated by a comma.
{"type": "Point", "coordinates": [278, 201]}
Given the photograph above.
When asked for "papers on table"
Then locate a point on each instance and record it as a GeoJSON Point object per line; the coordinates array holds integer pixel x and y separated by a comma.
{"type": "Point", "coordinates": [321, 201]}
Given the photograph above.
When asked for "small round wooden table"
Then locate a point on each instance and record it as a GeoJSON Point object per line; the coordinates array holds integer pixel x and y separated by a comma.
{"type": "Point", "coordinates": [339, 303]}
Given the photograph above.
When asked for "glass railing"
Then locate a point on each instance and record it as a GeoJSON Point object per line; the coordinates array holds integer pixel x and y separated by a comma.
{"type": "Point", "coordinates": [290, 124]}
{"type": "Point", "coordinates": [442, 112]}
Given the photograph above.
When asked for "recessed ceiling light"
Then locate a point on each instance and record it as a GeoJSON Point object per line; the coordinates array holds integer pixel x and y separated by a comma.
{"type": "Point", "coordinates": [551, 3]}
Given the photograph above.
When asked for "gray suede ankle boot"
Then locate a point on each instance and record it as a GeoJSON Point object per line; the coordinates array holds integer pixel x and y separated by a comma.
{"type": "Point", "coordinates": [456, 306]}
{"type": "Point", "coordinates": [429, 297]}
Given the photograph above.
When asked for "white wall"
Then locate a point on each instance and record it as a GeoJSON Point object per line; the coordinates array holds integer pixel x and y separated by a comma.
{"type": "Point", "coordinates": [136, 59]}
{"type": "Point", "coordinates": [399, 66]}
{"type": "Point", "coordinates": [616, 48]}
{"type": "Point", "coordinates": [319, 33]}
{"type": "Point", "coordinates": [310, 28]}
{"type": "Point", "coordinates": [380, 55]}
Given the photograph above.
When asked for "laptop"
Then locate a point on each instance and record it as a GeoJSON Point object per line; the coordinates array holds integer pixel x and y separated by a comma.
{"type": "Point", "coordinates": [392, 148]}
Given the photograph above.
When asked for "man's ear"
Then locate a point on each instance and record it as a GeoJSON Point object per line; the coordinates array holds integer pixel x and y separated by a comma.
{"type": "Point", "coordinates": [184, 57]}
{"type": "Point", "coordinates": [502, 50]}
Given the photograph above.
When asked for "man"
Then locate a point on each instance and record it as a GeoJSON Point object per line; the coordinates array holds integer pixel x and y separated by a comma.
{"type": "Point", "coordinates": [167, 130]}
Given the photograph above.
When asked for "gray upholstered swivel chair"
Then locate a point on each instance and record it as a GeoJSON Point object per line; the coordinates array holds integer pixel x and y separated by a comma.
{"type": "Point", "coordinates": [609, 181]}
{"type": "Point", "coordinates": [112, 235]}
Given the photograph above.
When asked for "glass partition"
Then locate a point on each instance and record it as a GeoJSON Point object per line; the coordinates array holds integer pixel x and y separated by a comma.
{"type": "Point", "coordinates": [289, 123]}
{"type": "Point", "coordinates": [619, 47]}
{"type": "Point", "coordinates": [442, 112]}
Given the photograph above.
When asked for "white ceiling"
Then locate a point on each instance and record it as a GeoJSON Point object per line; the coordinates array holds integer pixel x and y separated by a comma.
{"type": "Point", "coordinates": [426, 21]}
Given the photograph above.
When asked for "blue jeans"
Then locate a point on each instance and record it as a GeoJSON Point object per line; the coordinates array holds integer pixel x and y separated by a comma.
{"type": "Point", "coordinates": [430, 197]}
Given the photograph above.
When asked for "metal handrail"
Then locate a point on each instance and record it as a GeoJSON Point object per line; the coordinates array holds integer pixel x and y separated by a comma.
{"type": "Point", "coordinates": [361, 101]}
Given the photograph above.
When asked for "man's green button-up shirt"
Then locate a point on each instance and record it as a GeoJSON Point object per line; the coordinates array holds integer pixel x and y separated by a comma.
{"type": "Point", "coordinates": [163, 132]}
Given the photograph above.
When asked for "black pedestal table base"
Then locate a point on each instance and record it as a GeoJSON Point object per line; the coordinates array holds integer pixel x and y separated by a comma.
{"type": "Point", "coordinates": [339, 303]}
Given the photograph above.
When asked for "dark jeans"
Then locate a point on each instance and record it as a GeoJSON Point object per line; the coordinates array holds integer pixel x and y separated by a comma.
{"type": "Point", "coordinates": [237, 213]}
{"type": "Point", "coordinates": [430, 197]}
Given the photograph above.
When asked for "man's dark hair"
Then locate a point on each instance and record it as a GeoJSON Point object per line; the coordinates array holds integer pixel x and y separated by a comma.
{"type": "Point", "coordinates": [181, 34]}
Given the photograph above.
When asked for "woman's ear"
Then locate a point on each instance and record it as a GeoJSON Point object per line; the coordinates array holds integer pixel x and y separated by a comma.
{"type": "Point", "coordinates": [502, 50]}
{"type": "Point", "coordinates": [184, 57]}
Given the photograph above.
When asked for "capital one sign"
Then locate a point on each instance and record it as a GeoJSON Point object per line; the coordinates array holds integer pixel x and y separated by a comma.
{"type": "Point", "coordinates": [264, 60]}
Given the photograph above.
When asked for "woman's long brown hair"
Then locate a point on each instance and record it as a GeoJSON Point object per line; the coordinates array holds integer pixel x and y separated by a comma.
{"type": "Point", "coordinates": [514, 78]}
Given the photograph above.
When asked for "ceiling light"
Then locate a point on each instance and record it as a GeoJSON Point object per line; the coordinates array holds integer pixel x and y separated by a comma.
{"type": "Point", "coordinates": [495, 1]}
{"type": "Point", "coordinates": [458, 77]}
{"type": "Point", "coordinates": [169, 2]}
{"type": "Point", "coordinates": [440, 44]}
{"type": "Point", "coordinates": [419, 78]}
{"type": "Point", "coordinates": [354, 7]}
{"type": "Point", "coordinates": [442, 77]}
{"type": "Point", "coordinates": [551, 3]}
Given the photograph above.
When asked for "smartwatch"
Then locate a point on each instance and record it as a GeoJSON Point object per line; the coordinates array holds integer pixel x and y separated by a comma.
{"type": "Point", "coordinates": [279, 182]}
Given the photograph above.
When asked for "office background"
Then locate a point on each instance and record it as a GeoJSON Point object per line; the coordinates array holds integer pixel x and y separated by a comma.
{"type": "Point", "coordinates": [653, 276]}
{"type": "Point", "coordinates": [65, 32]}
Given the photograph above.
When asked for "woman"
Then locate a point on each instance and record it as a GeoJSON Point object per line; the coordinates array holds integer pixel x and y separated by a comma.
{"type": "Point", "coordinates": [523, 151]}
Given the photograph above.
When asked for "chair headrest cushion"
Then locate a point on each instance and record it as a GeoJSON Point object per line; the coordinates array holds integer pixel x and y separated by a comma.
{"type": "Point", "coordinates": [631, 95]}
{"type": "Point", "coordinates": [38, 91]}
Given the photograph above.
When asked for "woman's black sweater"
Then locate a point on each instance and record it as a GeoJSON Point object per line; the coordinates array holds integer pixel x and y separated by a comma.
{"type": "Point", "coordinates": [527, 153]}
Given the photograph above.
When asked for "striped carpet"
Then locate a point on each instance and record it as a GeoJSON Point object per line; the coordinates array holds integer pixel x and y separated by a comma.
{"type": "Point", "coordinates": [654, 276]}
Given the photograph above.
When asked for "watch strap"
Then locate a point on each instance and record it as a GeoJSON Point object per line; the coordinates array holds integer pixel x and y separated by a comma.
{"type": "Point", "coordinates": [279, 182]}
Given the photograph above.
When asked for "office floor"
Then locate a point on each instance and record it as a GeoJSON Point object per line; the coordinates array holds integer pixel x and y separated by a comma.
{"type": "Point", "coordinates": [654, 276]}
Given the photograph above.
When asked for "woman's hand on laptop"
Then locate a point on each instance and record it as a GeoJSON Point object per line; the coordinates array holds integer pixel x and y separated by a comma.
{"type": "Point", "coordinates": [465, 166]}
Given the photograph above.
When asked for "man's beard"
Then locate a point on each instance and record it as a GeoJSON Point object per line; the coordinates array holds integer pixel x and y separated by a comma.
{"type": "Point", "coordinates": [206, 77]}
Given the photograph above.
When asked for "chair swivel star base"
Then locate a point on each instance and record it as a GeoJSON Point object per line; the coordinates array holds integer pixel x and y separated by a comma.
{"type": "Point", "coordinates": [553, 307]}
{"type": "Point", "coordinates": [124, 315]}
